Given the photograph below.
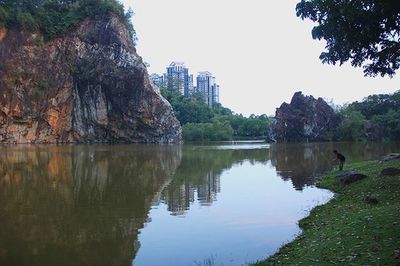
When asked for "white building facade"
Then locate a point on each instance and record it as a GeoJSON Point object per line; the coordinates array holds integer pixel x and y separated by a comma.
{"type": "Point", "coordinates": [207, 86]}
{"type": "Point", "coordinates": [178, 78]}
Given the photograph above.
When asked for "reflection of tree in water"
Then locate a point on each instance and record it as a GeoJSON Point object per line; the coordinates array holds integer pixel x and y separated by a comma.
{"type": "Point", "coordinates": [302, 163]}
{"type": "Point", "coordinates": [78, 205]}
{"type": "Point", "coordinates": [198, 175]}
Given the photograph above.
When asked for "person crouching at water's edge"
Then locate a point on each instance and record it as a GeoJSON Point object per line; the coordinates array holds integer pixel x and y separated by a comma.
{"type": "Point", "coordinates": [340, 157]}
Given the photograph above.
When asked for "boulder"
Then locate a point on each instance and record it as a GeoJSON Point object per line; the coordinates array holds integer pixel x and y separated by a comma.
{"type": "Point", "coordinates": [390, 157]}
{"type": "Point", "coordinates": [350, 176]}
{"type": "Point", "coordinates": [305, 119]}
{"type": "Point", "coordinates": [391, 171]}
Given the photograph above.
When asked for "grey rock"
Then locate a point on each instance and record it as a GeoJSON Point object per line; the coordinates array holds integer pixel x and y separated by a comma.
{"type": "Point", "coordinates": [350, 176]}
{"type": "Point", "coordinates": [390, 157]}
{"type": "Point", "coordinates": [391, 171]}
{"type": "Point", "coordinates": [305, 119]}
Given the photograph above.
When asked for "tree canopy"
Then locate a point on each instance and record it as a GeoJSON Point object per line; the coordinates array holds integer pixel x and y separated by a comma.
{"type": "Point", "coordinates": [364, 32]}
{"type": "Point", "coordinates": [203, 123]}
{"type": "Point", "coordinates": [56, 17]}
{"type": "Point", "coordinates": [375, 118]}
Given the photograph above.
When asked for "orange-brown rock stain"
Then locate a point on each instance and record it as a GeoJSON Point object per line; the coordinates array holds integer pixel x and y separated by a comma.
{"type": "Point", "coordinates": [3, 33]}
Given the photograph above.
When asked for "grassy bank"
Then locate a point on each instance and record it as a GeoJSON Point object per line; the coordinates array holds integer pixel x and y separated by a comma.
{"type": "Point", "coordinates": [348, 230]}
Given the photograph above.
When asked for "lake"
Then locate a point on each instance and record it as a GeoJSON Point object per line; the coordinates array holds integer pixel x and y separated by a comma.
{"type": "Point", "coordinates": [218, 204]}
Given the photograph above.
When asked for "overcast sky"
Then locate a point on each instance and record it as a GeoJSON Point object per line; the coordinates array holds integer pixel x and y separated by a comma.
{"type": "Point", "coordinates": [258, 50]}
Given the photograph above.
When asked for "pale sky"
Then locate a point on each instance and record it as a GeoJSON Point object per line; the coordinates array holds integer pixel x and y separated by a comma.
{"type": "Point", "coordinates": [259, 51]}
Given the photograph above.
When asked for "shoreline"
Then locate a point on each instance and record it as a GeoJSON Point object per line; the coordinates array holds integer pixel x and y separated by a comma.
{"type": "Point", "coordinates": [348, 229]}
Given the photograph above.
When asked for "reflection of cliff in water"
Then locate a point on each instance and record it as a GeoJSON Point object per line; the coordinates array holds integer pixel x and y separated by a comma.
{"type": "Point", "coordinates": [78, 205]}
{"type": "Point", "coordinates": [303, 162]}
{"type": "Point", "coordinates": [300, 163]}
{"type": "Point", "coordinates": [198, 176]}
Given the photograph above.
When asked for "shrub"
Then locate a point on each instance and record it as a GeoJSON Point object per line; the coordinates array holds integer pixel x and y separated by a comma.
{"type": "Point", "coordinates": [56, 17]}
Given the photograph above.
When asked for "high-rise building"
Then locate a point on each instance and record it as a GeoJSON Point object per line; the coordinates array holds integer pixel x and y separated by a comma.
{"type": "Point", "coordinates": [158, 80]}
{"type": "Point", "coordinates": [178, 78]}
{"type": "Point", "coordinates": [207, 86]}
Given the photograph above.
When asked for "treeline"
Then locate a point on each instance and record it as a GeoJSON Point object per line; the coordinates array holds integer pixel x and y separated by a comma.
{"type": "Point", "coordinates": [376, 118]}
{"type": "Point", "coordinates": [56, 17]}
{"type": "Point", "coordinates": [202, 123]}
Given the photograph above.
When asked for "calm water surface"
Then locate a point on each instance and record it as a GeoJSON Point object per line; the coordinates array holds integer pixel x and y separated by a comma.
{"type": "Point", "coordinates": [226, 204]}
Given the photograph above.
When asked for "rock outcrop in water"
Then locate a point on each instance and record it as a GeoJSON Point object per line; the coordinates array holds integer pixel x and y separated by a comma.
{"type": "Point", "coordinates": [88, 86]}
{"type": "Point", "coordinates": [304, 119]}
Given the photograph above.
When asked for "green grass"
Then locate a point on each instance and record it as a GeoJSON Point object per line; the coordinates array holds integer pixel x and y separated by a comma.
{"type": "Point", "coordinates": [347, 230]}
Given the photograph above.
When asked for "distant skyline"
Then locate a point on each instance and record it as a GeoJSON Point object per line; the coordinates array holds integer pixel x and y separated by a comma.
{"type": "Point", "coordinates": [259, 51]}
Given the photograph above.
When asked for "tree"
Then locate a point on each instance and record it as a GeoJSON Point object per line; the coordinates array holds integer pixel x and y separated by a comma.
{"type": "Point", "coordinates": [388, 125]}
{"type": "Point", "coordinates": [56, 17]}
{"type": "Point", "coordinates": [352, 127]}
{"type": "Point", "coordinates": [3, 16]}
{"type": "Point", "coordinates": [364, 32]}
{"type": "Point", "coordinates": [377, 104]}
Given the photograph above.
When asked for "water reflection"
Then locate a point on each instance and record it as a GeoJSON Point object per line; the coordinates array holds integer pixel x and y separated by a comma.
{"type": "Point", "coordinates": [198, 176]}
{"type": "Point", "coordinates": [301, 163]}
{"type": "Point", "coordinates": [77, 205]}
{"type": "Point", "coordinates": [85, 205]}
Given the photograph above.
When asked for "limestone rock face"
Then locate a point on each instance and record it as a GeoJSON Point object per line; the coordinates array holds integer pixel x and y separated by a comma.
{"type": "Point", "coordinates": [304, 119]}
{"type": "Point", "coordinates": [88, 86]}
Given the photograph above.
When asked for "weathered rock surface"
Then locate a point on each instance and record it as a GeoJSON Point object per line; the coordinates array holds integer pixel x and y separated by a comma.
{"type": "Point", "coordinates": [304, 119]}
{"type": "Point", "coordinates": [88, 86]}
{"type": "Point", "coordinates": [391, 171]}
{"type": "Point", "coordinates": [350, 176]}
{"type": "Point", "coordinates": [390, 157]}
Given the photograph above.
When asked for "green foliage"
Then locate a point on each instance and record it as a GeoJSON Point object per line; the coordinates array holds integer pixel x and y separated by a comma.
{"type": "Point", "coordinates": [254, 126]}
{"type": "Point", "coordinates": [189, 109]}
{"type": "Point", "coordinates": [388, 125]}
{"type": "Point", "coordinates": [25, 20]}
{"type": "Point", "coordinates": [215, 131]}
{"type": "Point", "coordinates": [377, 117]}
{"type": "Point", "coordinates": [3, 16]}
{"type": "Point", "coordinates": [363, 32]}
{"type": "Point", "coordinates": [220, 110]}
{"type": "Point", "coordinates": [202, 123]}
{"type": "Point", "coordinates": [352, 127]}
{"type": "Point", "coordinates": [56, 17]}
{"type": "Point", "coordinates": [378, 104]}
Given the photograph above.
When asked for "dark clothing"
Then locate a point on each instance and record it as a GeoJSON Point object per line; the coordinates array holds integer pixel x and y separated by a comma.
{"type": "Point", "coordinates": [340, 157]}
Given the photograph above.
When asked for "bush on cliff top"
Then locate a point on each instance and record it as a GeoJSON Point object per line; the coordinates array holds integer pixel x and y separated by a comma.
{"type": "Point", "coordinates": [56, 17]}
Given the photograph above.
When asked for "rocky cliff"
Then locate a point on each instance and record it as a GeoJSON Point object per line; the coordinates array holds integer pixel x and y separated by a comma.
{"type": "Point", "coordinates": [304, 119]}
{"type": "Point", "coordinates": [88, 86]}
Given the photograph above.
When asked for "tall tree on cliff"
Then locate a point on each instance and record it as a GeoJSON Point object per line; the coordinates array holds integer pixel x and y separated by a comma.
{"type": "Point", "coordinates": [364, 32]}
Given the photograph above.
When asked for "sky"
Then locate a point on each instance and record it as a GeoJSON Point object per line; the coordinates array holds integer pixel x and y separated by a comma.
{"type": "Point", "coordinates": [260, 52]}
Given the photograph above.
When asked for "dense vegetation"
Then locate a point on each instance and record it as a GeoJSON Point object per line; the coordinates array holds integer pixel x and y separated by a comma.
{"type": "Point", "coordinates": [202, 123]}
{"type": "Point", "coordinates": [349, 230]}
{"type": "Point", "coordinates": [56, 17]}
{"type": "Point", "coordinates": [366, 33]}
{"type": "Point", "coordinates": [376, 118]}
